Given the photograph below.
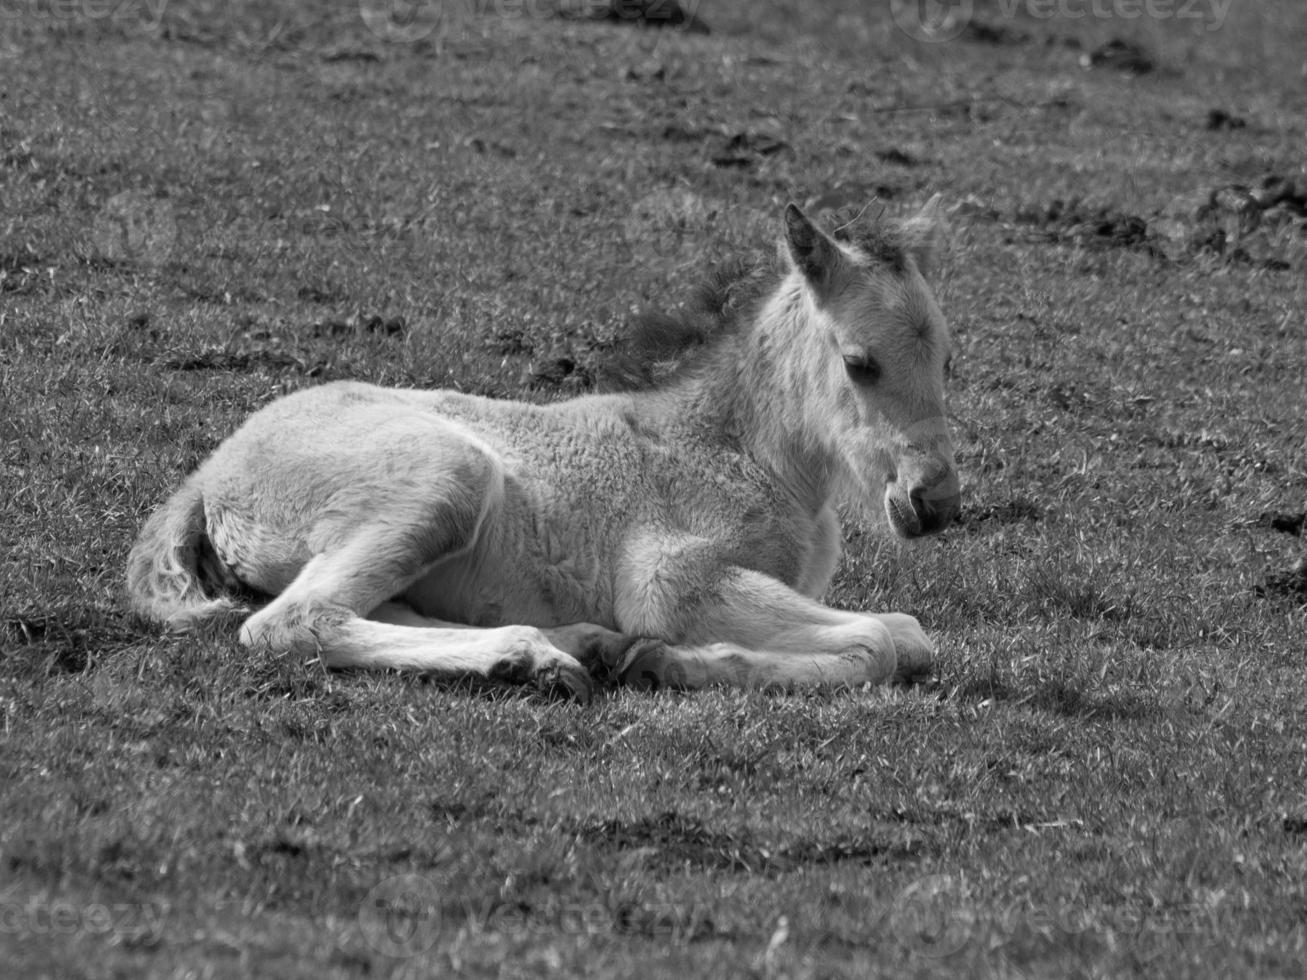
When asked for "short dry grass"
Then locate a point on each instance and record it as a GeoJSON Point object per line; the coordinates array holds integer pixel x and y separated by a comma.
{"type": "Point", "coordinates": [204, 210]}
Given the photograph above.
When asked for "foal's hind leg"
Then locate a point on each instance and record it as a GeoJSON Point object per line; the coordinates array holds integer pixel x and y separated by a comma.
{"type": "Point", "coordinates": [321, 613]}
{"type": "Point", "coordinates": [372, 539]}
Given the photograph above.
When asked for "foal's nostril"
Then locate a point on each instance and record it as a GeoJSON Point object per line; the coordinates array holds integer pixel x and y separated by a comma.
{"type": "Point", "coordinates": [934, 512]}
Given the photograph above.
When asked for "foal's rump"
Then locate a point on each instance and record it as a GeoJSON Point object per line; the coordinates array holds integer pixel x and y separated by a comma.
{"type": "Point", "coordinates": [270, 509]}
{"type": "Point", "coordinates": [303, 477]}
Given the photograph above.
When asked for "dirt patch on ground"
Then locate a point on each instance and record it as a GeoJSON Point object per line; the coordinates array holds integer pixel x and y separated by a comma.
{"type": "Point", "coordinates": [1247, 225]}
{"type": "Point", "coordinates": [1288, 584]}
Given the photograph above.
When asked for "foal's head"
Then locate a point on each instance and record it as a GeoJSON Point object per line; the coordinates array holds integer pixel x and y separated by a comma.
{"type": "Point", "coordinates": [877, 345]}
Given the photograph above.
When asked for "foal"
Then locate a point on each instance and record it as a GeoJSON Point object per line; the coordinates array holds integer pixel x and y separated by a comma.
{"type": "Point", "coordinates": [675, 536]}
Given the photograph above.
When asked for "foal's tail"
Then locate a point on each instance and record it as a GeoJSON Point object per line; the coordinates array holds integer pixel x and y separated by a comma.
{"type": "Point", "coordinates": [165, 580]}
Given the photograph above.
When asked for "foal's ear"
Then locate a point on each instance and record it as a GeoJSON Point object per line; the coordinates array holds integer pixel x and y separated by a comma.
{"type": "Point", "coordinates": [925, 233]}
{"type": "Point", "coordinates": [813, 252]}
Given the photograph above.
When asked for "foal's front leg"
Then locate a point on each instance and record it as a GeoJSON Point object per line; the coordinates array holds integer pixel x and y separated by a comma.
{"type": "Point", "coordinates": [751, 630]}
{"type": "Point", "coordinates": [596, 648]}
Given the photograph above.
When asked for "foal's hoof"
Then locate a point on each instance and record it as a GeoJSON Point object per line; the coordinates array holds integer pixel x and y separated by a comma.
{"type": "Point", "coordinates": [559, 678]}
{"type": "Point", "coordinates": [651, 665]}
{"type": "Point", "coordinates": [915, 651]}
{"type": "Point", "coordinates": [907, 676]}
{"type": "Point", "coordinates": [599, 650]}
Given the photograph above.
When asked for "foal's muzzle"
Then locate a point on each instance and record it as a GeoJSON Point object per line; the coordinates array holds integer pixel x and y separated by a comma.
{"type": "Point", "coordinates": [923, 508]}
{"type": "Point", "coordinates": [934, 511]}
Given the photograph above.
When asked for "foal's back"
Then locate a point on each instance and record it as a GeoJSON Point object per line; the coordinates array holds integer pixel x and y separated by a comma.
{"type": "Point", "coordinates": [556, 491]}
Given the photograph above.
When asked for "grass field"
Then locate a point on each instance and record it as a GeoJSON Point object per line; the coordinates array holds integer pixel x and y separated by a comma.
{"type": "Point", "coordinates": [204, 206]}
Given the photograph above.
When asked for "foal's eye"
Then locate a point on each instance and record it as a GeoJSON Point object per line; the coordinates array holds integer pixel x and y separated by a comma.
{"type": "Point", "coordinates": [862, 369]}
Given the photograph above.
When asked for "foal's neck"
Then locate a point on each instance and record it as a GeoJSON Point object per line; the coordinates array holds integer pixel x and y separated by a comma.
{"type": "Point", "coordinates": [756, 396]}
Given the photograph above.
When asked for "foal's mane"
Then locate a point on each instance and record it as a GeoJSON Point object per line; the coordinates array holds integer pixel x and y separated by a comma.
{"type": "Point", "coordinates": [662, 347]}
{"type": "Point", "coordinates": [880, 242]}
